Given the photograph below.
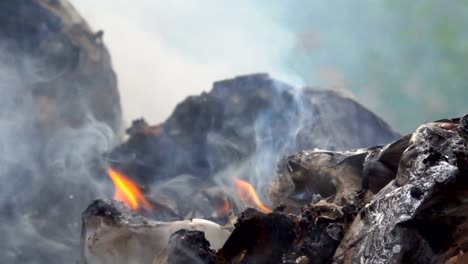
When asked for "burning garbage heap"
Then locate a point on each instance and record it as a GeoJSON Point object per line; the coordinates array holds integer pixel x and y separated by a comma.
{"type": "Point", "coordinates": [254, 171]}
{"type": "Point", "coordinates": [227, 179]}
{"type": "Point", "coordinates": [401, 202]}
{"type": "Point", "coordinates": [60, 110]}
{"type": "Point", "coordinates": [228, 141]}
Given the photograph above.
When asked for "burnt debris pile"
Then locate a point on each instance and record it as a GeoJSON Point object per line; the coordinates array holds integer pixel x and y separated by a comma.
{"type": "Point", "coordinates": [240, 129]}
{"type": "Point", "coordinates": [339, 201]}
{"type": "Point", "coordinates": [403, 202]}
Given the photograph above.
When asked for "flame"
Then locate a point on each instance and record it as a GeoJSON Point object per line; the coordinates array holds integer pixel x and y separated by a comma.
{"type": "Point", "coordinates": [224, 208]}
{"type": "Point", "coordinates": [247, 194]}
{"type": "Point", "coordinates": [127, 191]}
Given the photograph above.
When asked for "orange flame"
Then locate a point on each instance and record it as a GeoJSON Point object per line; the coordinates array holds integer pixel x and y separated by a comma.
{"type": "Point", "coordinates": [247, 194]}
{"type": "Point", "coordinates": [224, 208]}
{"type": "Point", "coordinates": [127, 191]}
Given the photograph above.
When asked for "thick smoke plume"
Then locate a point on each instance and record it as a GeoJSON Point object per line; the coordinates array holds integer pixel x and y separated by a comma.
{"type": "Point", "coordinates": [52, 133]}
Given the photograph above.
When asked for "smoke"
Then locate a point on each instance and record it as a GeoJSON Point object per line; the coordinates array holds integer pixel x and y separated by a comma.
{"type": "Point", "coordinates": [46, 178]}
{"type": "Point", "coordinates": [384, 52]}
{"type": "Point", "coordinates": [165, 50]}
{"type": "Point", "coordinates": [50, 140]}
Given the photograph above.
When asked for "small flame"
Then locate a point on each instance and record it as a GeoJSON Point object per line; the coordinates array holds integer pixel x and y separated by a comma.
{"type": "Point", "coordinates": [224, 208]}
{"type": "Point", "coordinates": [127, 191]}
{"type": "Point", "coordinates": [247, 194]}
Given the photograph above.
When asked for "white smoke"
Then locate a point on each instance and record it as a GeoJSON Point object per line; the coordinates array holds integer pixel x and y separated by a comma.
{"type": "Point", "coordinates": [165, 50]}
{"type": "Point", "coordinates": [48, 171]}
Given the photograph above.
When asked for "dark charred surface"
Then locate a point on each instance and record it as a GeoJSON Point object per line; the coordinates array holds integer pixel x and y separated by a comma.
{"type": "Point", "coordinates": [335, 175]}
{"type": "Point", "coordinates": [286, 238]}
{"type": "Point", "coordinates": [188, 246]}
{"type": "Point", "coordinates": [321, 229]}
{"type": "Point", "coordinates": [259, 238]}
{"type": "Point", "coordinates": [107, 209]}
{"type": "Point", "coordinates": [113, 211]}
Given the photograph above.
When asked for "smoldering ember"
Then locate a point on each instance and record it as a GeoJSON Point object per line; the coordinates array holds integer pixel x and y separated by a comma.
{"type": "Point", "coordinates": [252, 171]}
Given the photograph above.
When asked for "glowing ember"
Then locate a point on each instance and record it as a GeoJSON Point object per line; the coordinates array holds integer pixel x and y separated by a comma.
{"type": "Point", "coordinates": [127, 191]}
{"type": "Point", "coordinates": [247, 194]}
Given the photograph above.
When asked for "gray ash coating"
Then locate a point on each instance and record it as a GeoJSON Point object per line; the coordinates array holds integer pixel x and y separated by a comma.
{"type": "Point", "coordinates": [418, 217]}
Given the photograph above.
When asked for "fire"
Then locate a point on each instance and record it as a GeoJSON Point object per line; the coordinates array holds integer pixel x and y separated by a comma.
{"type": "Point", "coordinates": [247, 194]}
{"type": "Point", "coordinates": [127, 191]}
{"type": "Point", "coordinates": [224, 208]}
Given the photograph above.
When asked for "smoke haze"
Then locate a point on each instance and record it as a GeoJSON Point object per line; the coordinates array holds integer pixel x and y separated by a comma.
{"type": "Point", "coordinates": [164, 51]}
{"type": "Point", "coordinates": [385, 52]}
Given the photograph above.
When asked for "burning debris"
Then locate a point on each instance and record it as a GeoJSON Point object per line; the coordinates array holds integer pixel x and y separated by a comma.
{"type": "Point", "coordinates": [186, 186]}
{"type": "Point", "coordinates": [233, 136]}
{"type": "Point", "coordinates": [127, 192]}
{"type": "Point", "coordinates": [403, 202]}
{"type": "Point", "coordinates": [213, 157]}
{"type": "Point", "coordinates": [248, 195]}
